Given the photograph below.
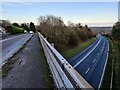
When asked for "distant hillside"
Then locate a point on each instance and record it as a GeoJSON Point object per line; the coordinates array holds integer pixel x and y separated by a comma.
{"type": "Point", "coordinates": [103, 30]}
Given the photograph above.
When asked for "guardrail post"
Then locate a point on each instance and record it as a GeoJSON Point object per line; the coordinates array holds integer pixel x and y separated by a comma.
{"type": "Point", "coordinates": [52, 44]}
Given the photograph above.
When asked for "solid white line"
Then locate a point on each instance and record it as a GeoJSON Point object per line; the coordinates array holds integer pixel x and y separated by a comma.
{"type": "Point", "coordinates": [98, 54]}
{"type": "Point", "coordinates": [104, 67]}
{"type": "Point", "coordinates": [94, 60]}
{"type": "Point", "coordinates": [87, 71]}
{"type": "Point", "coordinates": [86, 55]}
{"type": "Point", "coordinates": [5, 59]}
{"type": "Point", "coordinates": [111, 77]}
{"type": "Point", "coordinates": [87, 48]}
{"type": "Point", "coordinates": [10, 38]}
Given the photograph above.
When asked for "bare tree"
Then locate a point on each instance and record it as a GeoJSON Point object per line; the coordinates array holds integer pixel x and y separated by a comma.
{"type": "Point", "coordinates": [61, 35]}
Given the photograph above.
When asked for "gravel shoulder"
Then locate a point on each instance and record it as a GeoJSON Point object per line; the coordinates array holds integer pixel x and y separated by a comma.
{"type": "Point", "coordinates": [30, 69]}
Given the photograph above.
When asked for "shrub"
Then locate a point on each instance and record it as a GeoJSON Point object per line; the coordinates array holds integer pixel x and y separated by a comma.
{"type": "Point", "coordinates": [54, 29]}
{"type": "Point", "coordinates": [73, 38]}
{"type": "Point", "coordinates": [16, 30]}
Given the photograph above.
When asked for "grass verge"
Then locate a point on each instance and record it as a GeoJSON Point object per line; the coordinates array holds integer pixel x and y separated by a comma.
{"type": "Point", "coordinates": [116, 66]}
{"type": "Point", "coordinates": [7, 67]}
{"type": "Point", "coordinates": [46, 70]}
{"type": "Point", "coordinates": [70, 52]}
{"type": "Point", "coordinates": [113, 61]}
{"type": "Point", "coordinates": [108, 71]}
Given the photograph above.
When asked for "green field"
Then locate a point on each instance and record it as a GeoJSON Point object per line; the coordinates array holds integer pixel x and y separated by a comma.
{"type": "Point", "coordinates": [70, 52]}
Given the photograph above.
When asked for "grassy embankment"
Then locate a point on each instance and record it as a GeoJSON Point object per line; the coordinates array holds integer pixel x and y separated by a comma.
{"type": "Point", "coordinates": [107, 76]}
{"type": "Point", "coordinates": [114, 58]}
{"type": "Point", "coordinates": [70, 52]}
{"type": "Point", "coordinates": [116, 66]}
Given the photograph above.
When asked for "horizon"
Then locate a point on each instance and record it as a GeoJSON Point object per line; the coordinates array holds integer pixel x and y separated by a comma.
{"type": "Point", "coordinates": [98, 14]}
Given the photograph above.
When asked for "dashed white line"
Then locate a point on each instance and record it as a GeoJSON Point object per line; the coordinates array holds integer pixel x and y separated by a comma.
{"type": "Point", "coordinates": [10, 38]}
{"type": "Point", "coordinates": [87, 54]}
{"type": "Point", "coordinates": [87, 71]}
{"type": "Point", "coordinates": [104, 65]}
{"type": "Point", "coordinates": [98, 54]}
{"type": "Point", "coordinates": [94, 60]}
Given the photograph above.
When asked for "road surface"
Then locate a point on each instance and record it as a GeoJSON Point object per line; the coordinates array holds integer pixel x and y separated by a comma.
{"type": "Point", "coordinates": [91, 62]}
{"type": "Point", "coordinates": [28, 71]}
{"type": "Point", "coordinates": [11, 45]}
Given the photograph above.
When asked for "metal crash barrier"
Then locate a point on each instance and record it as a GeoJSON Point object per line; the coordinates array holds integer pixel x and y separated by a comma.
{"type": "Point", "coordinates": [64, 75]}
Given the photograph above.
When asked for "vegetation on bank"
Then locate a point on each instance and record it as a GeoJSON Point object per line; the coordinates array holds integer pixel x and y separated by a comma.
{"type": "Point", "coordinates": [72, 51]}
{"type": "Point", "coordinates": [108, 72]}
{"type": "Point", "coordinates": [54, 29]}
{"type": "Point", "coordinates": [113, 60]}
{"type": "Point", "coordinates": [116, 60]}
{"type": "Point", "coordinates": [113, 65]}
{"type": "Point", "coordinates": [116, 66]}
{"type": "Point", "coordinates": [16, 28]}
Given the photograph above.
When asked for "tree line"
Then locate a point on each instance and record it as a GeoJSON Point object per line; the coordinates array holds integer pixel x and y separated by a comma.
{"type": "Point", "coordinates": [54, 29]}
{"type": "Point", "coordinates": [15, 28]}
{"type": "Point", "coordinates": [116, 31]}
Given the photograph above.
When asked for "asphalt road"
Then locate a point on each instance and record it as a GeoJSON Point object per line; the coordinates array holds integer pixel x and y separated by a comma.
{"type": "Point", "coordinates": [91, 62]}
{"type": "Point", "coordinates": [11, 45]}
{"type": "Point", "coordinates": [9, 36]}
{"type": "Point", "coordinates": [29, 70]}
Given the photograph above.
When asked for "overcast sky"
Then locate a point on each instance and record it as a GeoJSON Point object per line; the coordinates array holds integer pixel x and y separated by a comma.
{"type": "Point", "coordinates": [91, 13]}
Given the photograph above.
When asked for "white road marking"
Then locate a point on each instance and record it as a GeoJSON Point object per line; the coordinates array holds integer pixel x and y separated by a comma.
{"type": "Point", "coordinates": [94, 60]}
{"type": "Point", "coordinates": [87, 71]}
{"type": "Point", "coordinates": [104, 65]}
{"type": "Point", "coordinates": [98, 54]}
{"type": "Point", "coordinates": [10, 38]}
{"type": "Point", "coordinates": [87, 54]}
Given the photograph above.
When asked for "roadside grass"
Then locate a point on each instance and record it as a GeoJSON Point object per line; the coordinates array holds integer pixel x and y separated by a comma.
{"type": "Point", "coordinates": [114, 58]}
{"type": "Point", "coordinates": [45, 68]}
{"type": "Point", "coordinates": [70, 52]}
{"type": "Point", "coordinates": [7, 67]}
{"type": "Point", "coordinates": [116, 66]}
{"type": "Point", "coordinates": [108, 71]}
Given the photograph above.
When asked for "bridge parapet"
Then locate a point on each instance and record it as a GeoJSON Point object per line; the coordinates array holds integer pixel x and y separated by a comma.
{"type": "Point", "coordinates": [64, 75]}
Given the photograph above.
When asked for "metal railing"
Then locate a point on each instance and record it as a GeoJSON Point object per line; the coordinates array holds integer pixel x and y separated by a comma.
{"type": "Point", "coordinates": [64, 75]}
